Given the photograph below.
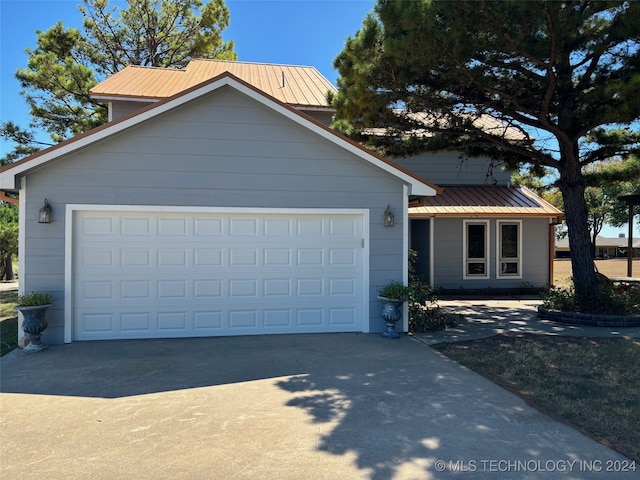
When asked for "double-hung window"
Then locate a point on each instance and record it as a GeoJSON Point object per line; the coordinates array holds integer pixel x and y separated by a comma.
{"type": "Point", "coordinates": [476, 249]}
{"type": "Point", "coordinates": [509, 249]}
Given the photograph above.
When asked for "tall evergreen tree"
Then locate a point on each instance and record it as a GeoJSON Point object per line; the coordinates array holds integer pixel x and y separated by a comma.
{"type": "Point", "coordinates": [67, 62]}
{"type": "Point", "coordinates": [565, 74]}
{"type": "Point", "coordinates": [8, 239]}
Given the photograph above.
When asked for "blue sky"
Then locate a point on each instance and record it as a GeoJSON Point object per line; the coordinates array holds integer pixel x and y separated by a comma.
{"type": "Point", "coordinates": [296, 32]}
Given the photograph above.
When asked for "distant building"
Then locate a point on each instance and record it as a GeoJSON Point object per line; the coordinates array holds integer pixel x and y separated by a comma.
{"type": "Point", "coordinates": [606, 247]}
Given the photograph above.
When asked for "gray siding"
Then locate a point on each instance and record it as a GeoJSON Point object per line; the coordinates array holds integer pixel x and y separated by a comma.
{"type": "Point", "coordinates": [448, 255]}
{"type": "Point", "coordinates": [224, 150]}
{"type": "Point", "coordinates": [449, 168]}
{"type": "Point", "coordinates": [120, 108]}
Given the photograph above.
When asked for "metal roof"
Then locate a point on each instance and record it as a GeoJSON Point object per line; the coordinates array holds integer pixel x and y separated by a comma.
{"type": "Point", "coordinates": [486, 200]}
{"type": "Point", "coordinates": [294, 85]}
{"type": "Point", "coordinates": [484, 122]}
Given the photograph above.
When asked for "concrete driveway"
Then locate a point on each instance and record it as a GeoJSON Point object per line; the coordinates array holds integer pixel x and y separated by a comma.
{"type": "Point", "coordinates": [325, 406]}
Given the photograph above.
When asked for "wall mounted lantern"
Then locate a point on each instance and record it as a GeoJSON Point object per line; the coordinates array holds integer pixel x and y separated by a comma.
{"type": "Point", "coordinates": [389, 219]}
{"type": "Point", "coordinates": [44, 214]}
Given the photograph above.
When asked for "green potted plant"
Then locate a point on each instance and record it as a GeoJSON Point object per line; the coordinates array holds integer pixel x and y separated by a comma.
{"type": "Point", "coordinates": [33, 307]}
{"type": "Point", "coordinates": [394, 291]}
{"type": "Point", "coordinates": [393, 295]}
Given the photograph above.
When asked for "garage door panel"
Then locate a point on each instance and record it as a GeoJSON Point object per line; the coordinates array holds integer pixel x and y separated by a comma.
{"type": "Point", "coordinates": [172, 226]}
{"type": "Point", "coordinates": [172, 257]}
{"type": "Point", "coordinates": [136, 257]}
{"type": "Point", "coordinates": [134, 290]}
{"type": "Point", "coordinates": [109, 260]}
{"type": "Point", "coordinates": [97, 226]}
{"type": "Point", "coordinates": [133, 226]}
{"type": "Point", "coordinates": [99, 291]}
{"type": "Point", "coordinates": [342, 256]}
{"type": "Point", "coordinates": [162, 275]}
{"type": "Point", "coordinates": [342, 316]}
{"type": "Point", "coordinates": [277, 318]}
{"type": "Point", "coordinates": [207, 322]}
{"type": "Point", "coordinates": [277, 287]}
{"type": "Point", "coordinates": [348, 227]}
{"type": "Point", "coordinates": [246, 321]}
{"type": "Point", "coordinates": [207, 289]}
{"type": "Point", "coordinates": [136, 322]}
{"type": "Point", "coordinates": [342, 287]}
{"type": "Point", "coordinates": [173, 290]}
{"type": "Point", "coordinates": [172, 321]}
{"type": "Point", "coordinates": [99, 323]}
{"type": "Point", "coordinates": [207, 257]}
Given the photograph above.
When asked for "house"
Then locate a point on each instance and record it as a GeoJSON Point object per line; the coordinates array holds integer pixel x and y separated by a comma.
{"type": "Point", "coordinates": [217, 201]}
{"type": "Point", "coordinates": [606, 247]}
{"type": "Point", "coordinates": [480, 233]}
{"type": "Point", "coordinates": [217, 211]}
{"type": "Point", "coordinates": [512, 227]}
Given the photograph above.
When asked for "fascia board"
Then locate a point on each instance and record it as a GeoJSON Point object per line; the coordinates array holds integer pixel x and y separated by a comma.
{"type": "Point", "coordinates": [124, 98]}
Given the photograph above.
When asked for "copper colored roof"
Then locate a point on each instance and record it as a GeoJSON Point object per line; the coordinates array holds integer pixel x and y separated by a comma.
{"type": "Point", "coordinates": [484, 122]}
{"type": "Point", "coordinates": [464, 201]}
{"type": "Point", "coordinates": [294, 85]}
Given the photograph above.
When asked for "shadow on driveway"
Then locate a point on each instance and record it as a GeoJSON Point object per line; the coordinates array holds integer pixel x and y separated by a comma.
{"type": "Point", "coordinates": [113, 369]}
{"type": "Point", "coordinates": [324, 406]}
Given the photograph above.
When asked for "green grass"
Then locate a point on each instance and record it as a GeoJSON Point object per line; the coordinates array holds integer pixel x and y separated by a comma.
{"type": "Point", "coordinates": [592, 384]}
{"type": "Point", "coordinates": [8, 322]}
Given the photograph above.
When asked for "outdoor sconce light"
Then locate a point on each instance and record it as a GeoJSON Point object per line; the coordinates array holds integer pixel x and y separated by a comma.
{"type": "Point", "coordinates": [389, 219]}
{"type": "Point", "coordinates": [44, 214]}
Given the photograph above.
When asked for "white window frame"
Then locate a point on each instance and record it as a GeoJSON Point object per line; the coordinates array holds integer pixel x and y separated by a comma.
{"type": "Point", "coordinates": [467, 260]}
{"type": "Point", "coordinates": [499, 259]}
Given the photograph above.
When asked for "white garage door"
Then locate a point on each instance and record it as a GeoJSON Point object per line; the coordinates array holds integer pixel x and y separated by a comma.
{"type": "Point", "coordinates": [185, 274]}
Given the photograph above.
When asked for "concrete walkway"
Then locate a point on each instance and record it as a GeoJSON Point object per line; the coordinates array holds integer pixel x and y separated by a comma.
{"type": "Point", "coordinates": [9, 286]}
{"type": "Point", "coordinates": [325, 406]}
{"type": "Point", "coordinates": [487, 317]}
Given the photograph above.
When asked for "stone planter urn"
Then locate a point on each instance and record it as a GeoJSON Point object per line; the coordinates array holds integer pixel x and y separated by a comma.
{"type": "Point", "coordinates": [34, 307]}
{"type": "Point", "coordinates": [391, 313]}
{"type": "Point", "coordinates": [393, 295]}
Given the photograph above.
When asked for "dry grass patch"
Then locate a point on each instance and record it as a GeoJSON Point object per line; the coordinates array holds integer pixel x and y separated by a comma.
{"type": "Point", "coordinates": [612, 267]}
{"type": "Point", "coordinates": [592, 384]}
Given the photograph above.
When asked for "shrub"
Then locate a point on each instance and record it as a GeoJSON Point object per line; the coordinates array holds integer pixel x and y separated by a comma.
{"type": "Point", "coordinates": [426, 318]}
{"type": "Point", "coordinates": [394, 291]}
{"type": "Point", "coordinates": [424, 312]}
{"type": "Point", "coordinates": [608, 300]}
{"type": "Point", "coordinates": [559, 298]}
{"type": "Point", "coordinates": [34, 299]}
